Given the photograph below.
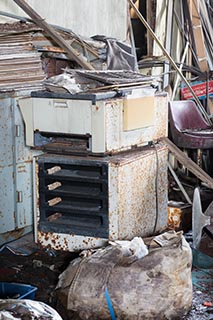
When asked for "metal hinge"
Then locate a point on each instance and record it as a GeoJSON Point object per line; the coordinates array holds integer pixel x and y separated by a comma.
{"type": "Point", "coordinates": [19, 196]}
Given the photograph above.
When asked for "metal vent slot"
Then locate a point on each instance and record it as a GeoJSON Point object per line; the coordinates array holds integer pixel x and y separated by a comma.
{"type": "Point", "coordinates": [83, 194]}
{"type": "Point", "coordinates": [68, 188]}
{"type": "Point", "coordinates": [79, 205]}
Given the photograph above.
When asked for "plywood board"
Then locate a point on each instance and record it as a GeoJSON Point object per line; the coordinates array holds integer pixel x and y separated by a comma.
{"type": "Point", "coordinates": [138, 113]}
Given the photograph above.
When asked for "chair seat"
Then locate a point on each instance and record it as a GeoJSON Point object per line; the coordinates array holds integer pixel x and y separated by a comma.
{"type": "Point", "coordinates": [194, 140]}
{"type": "Point", "coordinates": [188, 128]}
{"type": "Point", "coordinates": [199, 132]}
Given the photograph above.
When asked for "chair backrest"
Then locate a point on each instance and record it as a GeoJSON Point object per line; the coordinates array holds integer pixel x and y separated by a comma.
{"type": "Point", "coordinates": [184, 114]}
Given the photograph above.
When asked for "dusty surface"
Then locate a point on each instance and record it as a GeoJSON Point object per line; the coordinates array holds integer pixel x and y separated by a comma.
{"type": "Point", "coordinates": [22, 269]}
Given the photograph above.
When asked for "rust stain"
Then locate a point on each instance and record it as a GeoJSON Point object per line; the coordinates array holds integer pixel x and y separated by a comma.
{"type": "Point", "coordinates": [16, 234]}
{"type": "Point", "coordinates": [14, 217]}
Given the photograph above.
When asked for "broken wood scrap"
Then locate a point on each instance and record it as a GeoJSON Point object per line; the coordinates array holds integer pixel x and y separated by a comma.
{"type": "Point", "coordinates": [188, 163]}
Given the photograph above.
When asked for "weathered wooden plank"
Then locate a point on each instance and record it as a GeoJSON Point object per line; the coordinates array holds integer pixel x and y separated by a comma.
{"type": "Point", "coordinates": [188, 163]}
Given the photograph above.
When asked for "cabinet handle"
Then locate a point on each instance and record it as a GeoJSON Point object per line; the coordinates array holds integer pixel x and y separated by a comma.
{"type": "Point", "coordinates": [17, 130]}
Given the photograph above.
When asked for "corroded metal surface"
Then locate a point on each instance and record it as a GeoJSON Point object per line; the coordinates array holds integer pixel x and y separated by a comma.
{"type": "Point", "coordinates": [24, 207]}
{"type": "Point", "coordinates": [6, 132]}
{"type": "Point", "coordinates": [117, 139]}
{"type": "Point", "coordinates": [18, 27]}
{"type": "Point", "coordinates": [7, 206]}
{"type": "Point", "coordinates": [15, 173]}
{"type": "Point", "coordinates": [69, 242]}
{"type": "Point", "coordinates": [137, 199]}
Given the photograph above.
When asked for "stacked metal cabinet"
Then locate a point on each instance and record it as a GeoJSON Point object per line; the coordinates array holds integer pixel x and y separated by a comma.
{"type": "Point", "coordinates": [16, 173]}
{"type": "Point", "coordinates": [115, 186]}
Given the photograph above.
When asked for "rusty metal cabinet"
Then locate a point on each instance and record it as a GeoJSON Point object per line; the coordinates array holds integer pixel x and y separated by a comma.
{"type": "Point", "coordinates": [16, 179]}
{"type": "Point", "coordinates": [86, 201]}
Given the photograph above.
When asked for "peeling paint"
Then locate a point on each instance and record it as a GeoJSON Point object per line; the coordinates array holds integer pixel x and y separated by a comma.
{"type": "Point", "coordinates": [67, 242]}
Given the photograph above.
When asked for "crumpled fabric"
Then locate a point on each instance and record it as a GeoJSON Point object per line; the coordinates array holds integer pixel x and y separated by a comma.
{"type": "Point", "coordinates": [119, 54]}
{"type": "Point", "coordinates": [12, 309]}
{"type": "Point", "coordinates": [156, 286]}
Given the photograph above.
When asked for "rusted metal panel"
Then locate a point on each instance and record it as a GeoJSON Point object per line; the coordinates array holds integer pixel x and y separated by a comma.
{"type": "Point", "coordinates": [6, 129]}
{"type": "Point", "coordinates": [7, 173]}
{"type": "Point", "coordinates": [24, 195]}
{"type": "Point", "coordinates": [117, 139]}
{"type": "Point", "coordinates": [69, 242]}
{"type": "Point", "coordinates": [7, 199]}
{"type": "Point", "coordinates": [14, 234]}
{"type": "Point", "coordinates": [137, 199]}
{"type": "Point", "coordinates": [15, 173]}
{"type": "Point", "coordinates": [139, 196]}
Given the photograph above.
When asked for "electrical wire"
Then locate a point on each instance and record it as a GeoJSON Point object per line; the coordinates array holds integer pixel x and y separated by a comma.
{"type": "Point", "coordinates": [156, 189]}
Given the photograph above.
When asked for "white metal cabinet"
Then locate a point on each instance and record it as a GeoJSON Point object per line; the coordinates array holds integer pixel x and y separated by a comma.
{"type": "Point", "coordinates": [114, 125]}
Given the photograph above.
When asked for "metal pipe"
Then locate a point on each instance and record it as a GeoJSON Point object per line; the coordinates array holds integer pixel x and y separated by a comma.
{"type": "Point", "coordinates": [179, 183]}
{"type": "Point", "coordinates": [145, 23]}
{"type": "Point", "coordinates": [181, 66]}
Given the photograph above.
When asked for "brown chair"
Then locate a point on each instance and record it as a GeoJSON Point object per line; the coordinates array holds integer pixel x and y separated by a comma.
{"type": "Point", "coordinates": [190, 131]}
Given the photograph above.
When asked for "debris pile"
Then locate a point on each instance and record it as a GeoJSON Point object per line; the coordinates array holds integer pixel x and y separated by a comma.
{"type": "Point", "coordinates": [187, 39]}
{"type": "Point", "coordinates": [74, 81]}
{"type": "Point", "coordinates": [26, 309]}
{"type": "Point", "coordinates": [20, 63]}
{"type": "Point", "coordinates": [89, 285]}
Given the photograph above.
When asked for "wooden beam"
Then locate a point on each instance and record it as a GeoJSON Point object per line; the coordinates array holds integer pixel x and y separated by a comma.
{"type": "Point", "coordinates": [71, 53]}
{"type": "Point", "coordinates": [188, 163]}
